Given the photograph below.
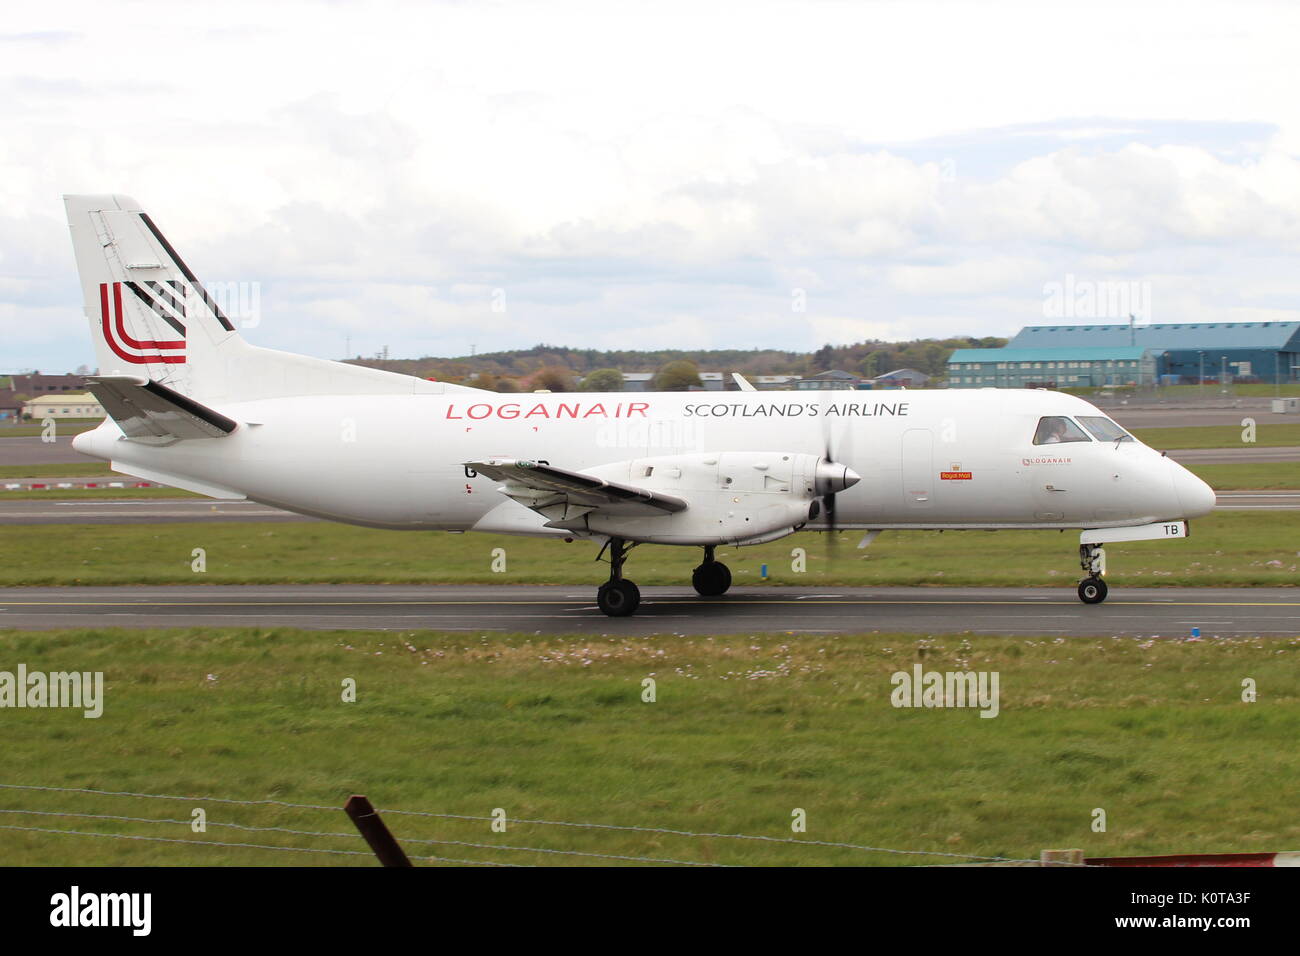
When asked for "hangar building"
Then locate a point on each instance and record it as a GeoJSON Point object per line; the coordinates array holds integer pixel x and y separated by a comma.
{"type": "Point", "coordinates": [1188, 352]}
{"type": "Point", "coordinates": [1066, 367]}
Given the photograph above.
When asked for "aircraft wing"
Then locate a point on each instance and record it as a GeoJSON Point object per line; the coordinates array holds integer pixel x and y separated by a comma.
{"type": "Point", "coordinates": [564, 496]}
{"type": "Point", "coordinates": [150, 411]}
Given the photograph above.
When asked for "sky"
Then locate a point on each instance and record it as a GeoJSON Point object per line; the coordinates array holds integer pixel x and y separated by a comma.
{"type": "Point", "coordinates": [435, 178]}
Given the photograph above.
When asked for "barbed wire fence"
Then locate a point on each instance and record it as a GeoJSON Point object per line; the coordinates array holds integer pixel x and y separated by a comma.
{"type": "Point", "coordinates": [350, 843]}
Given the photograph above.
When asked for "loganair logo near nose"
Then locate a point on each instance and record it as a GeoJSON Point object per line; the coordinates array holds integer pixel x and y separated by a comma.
{"type": "Point", "coordinates": [164, 299]}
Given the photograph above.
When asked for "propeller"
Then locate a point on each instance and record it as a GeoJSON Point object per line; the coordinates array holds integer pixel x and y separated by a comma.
{"type": "Point", "coordinates": [832, 476]}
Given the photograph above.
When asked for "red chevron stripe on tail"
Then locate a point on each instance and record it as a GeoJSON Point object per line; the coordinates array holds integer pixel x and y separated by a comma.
{"type": "Point", "coordinates": [124, 346]}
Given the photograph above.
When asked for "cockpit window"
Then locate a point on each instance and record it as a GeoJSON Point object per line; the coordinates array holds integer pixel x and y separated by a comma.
{"type": "Point", "coordinates": [1103, 429]}
{"type": "Point", "coordinates": [1057, 428]}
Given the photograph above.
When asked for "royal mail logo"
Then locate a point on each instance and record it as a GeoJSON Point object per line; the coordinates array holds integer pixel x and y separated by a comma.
{"type": "Point", "coordinates": [955, 475]}
{"type": "Point", "coordinates": [166, 300]}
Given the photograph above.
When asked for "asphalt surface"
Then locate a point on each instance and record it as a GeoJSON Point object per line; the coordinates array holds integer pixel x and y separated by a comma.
{"type": "Point", "coordinates": [1241, 455]}
{"type": "Point", "coordinates": [1258, 501]}
{"type": "Point", "coordinates": [1146, 612]}
{"type": "Point", "coordinates": [35, 451]}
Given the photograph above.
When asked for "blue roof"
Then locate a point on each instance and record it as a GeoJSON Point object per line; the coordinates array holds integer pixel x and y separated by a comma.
{"type": "Point", "coordinates": [1282, 336]}
{"type": "Point", "coordinates": [1118, 353]}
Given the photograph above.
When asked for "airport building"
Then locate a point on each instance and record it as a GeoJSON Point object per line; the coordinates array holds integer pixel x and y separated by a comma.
{"type": "Point", "coordinates": [644, 381]}
{"type": "Point", "coordinates": [835, 380]}
{"type": "Point", "coordinates": [11, 406]}
{"type": "Point", "coordinates": [34, 383]}
{"type": "Point", "coordinates": [1187, 353]}
{"type": "Point", "coordinates": [1012, 367]}
{"type": "Point", "coordinates": [71, 405]}
{"type": "Point", "coordinates": [900, 378]}
{"type": "Point", "coordinates": [637, 381]}
{"type": "Point", "coordinates": [766, 383]}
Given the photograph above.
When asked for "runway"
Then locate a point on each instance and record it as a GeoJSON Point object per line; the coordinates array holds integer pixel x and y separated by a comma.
{"type": "Point", "coordinates": [129, 511]}
{"type": "Point", "coordinates": [1257, 501]}
{"type": "Point", "coordinates": [1239, 455]}
{"type": "Point", "coordinates": [33, 450]}
{"type": "Point", "coordinates": [1145, 612]}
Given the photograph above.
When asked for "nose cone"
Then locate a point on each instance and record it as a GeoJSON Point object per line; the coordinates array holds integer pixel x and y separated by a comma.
{"type": "Point", "coordinates": [833, 477]}
{"type": "Point", "coordinates": [1196, 497]}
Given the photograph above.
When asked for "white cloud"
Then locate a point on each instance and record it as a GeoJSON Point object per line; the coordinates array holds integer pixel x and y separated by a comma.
{"type": "Point", "coordinates": [655, 175]}
{"type": "Point", "coordinates": [970, 277]}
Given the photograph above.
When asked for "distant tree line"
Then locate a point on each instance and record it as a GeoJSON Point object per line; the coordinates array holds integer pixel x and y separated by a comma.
{"type": "Point", "coordinates": [562, 369]}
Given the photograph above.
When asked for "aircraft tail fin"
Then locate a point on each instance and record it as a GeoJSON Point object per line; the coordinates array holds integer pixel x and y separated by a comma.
{"type": "Point", "coordinates": [151, 318]}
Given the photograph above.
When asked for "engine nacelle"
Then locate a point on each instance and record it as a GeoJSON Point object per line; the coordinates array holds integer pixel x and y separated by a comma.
{"type": "Point", "coordinates": [734, 497]}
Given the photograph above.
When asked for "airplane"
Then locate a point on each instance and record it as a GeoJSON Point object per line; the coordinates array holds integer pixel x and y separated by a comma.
{"type": "Point", "coordinates": [193, 405]}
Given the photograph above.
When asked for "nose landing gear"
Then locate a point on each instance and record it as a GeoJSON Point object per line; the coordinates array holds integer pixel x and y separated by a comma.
{"type": "Point", "coordinates": [712, 577]}
{"type": "Point", "coordinates": [1092, 590]}
{"type": "Point", "coordinates": [1092, 558]}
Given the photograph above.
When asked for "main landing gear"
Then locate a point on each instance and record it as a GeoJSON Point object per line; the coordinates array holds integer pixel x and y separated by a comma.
{"type": "Point", "coordinates": [712, 577]}
{"type": "Point", "coordinates": [618, 597]}
{"type": "Point", "coordinates": [1092, 558]}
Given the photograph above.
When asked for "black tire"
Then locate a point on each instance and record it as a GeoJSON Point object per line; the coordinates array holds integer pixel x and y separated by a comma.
{"type": "Point", "coordinates": [711, 579]}
{"type": "Point", "coordinates": [619, 598]}
{"type": "Point", "coordinates": [1092, 590]}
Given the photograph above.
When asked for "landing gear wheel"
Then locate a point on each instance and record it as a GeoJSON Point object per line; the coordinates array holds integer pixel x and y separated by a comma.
{"type": "Point", "coordinates": [618, 598]}
{"type": "Point", "coordinates": [711, 579]}
{"type": "Point", "coordinates": [1092, 590]}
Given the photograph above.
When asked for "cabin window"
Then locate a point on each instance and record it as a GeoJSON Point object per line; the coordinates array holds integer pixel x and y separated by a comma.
{"type": "Point", "coordinates": [1056, 429]}
{"type": "Point", "coordinates": [1103, 429]}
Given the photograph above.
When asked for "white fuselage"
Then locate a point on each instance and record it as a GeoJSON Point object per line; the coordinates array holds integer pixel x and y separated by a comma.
{"type": "Point", "coordinates": [927, 459]}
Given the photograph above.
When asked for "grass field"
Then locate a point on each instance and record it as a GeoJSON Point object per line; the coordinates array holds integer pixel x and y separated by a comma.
{"type": "Point", "coordinates": [1268, 435]}
{"type": "Point", "coordinates": [78, 494]}
{"type": "Point", "coordinates": [1185, 392]}
{"type": "Point", "coordinates": [1247, 391]}
{"type": "Point", "coordinates": [743, 731]}
{"type": "Point", "coordinates": [91, 470]}
{"type": "Point", "coordinates": [1265, 477]}
{"type": "Point", "coordinates": [1191, 393]}
{"type": "Point", "coordinates": [1229, 548]}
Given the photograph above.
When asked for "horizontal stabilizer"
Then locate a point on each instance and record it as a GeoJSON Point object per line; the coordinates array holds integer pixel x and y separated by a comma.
{"type": "Point", "coordinates": [149, 411]}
